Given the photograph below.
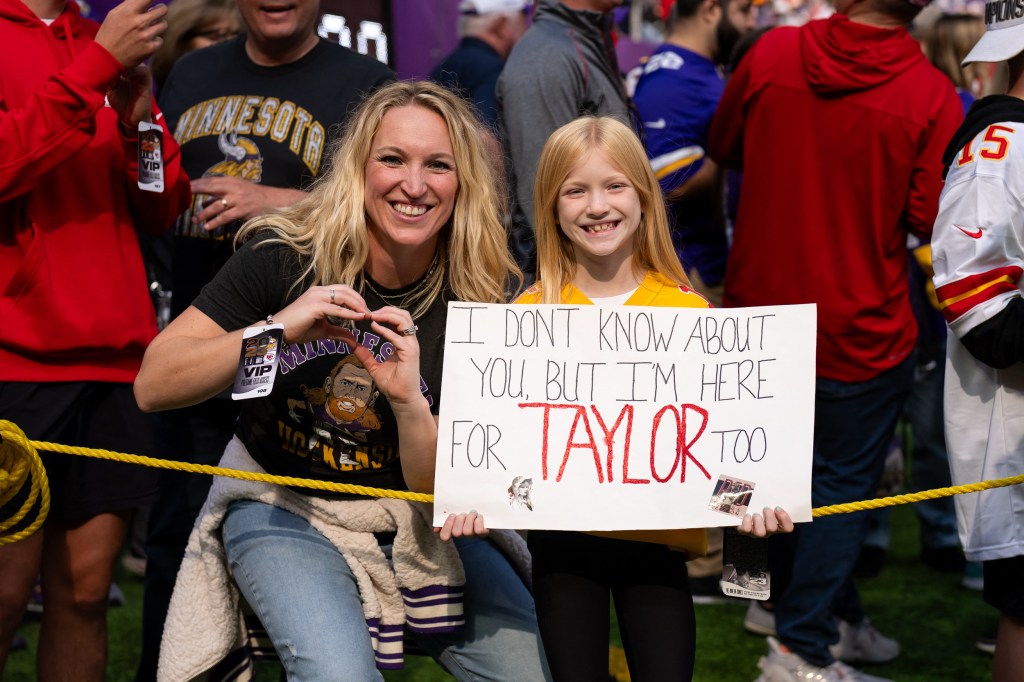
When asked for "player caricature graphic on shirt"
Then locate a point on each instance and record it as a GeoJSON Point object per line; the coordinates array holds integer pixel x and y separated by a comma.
{"type": "Point", "coordinates": [341, 409]}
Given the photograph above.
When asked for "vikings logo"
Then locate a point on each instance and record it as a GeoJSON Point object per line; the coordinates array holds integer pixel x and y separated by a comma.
{"type": "Point", "coordinates": [242, 158]}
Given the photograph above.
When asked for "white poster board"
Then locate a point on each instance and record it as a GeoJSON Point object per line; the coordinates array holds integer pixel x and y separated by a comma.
{"type": "Point", "coordinates": [566, 417]}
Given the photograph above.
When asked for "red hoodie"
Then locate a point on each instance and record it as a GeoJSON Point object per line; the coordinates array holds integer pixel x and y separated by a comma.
{"type": "Point", "coordinates": [839, 129]}
{"type": "Point", "coordinates": [74, 304]}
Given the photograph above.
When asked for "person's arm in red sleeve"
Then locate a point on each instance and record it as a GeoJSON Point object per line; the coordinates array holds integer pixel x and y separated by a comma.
{"type": "Point", "coordinates": [56, 123]}
{"type": "Point", "coordinates": [926, 179]}
{"type": "Point", "coordinates": [60, 119]}
{"type": "Point", "coordinates": [725, 139]}
{"type": "Point", "coordinates": [153, 212]}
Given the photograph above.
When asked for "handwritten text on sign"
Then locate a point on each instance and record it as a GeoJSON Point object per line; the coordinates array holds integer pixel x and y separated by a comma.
{"type": "Point", "coordinates": [613, 418]}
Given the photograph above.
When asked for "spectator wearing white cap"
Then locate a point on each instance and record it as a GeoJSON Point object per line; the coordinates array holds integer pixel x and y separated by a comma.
{"type": "Point", "coordinates": [978, 251]}
{"type": "Point", "coordinates": [488, 30]}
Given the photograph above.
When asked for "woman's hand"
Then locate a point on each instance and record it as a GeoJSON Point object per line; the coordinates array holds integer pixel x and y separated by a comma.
{"type": "Point", "coordinates": [321, 313]}
{"type": "Point", "coordinates": [468, 525]}
{"type": "Point", "coordinates": [769, 522]}
{"type": "Point", "coordinates": [399, 377]}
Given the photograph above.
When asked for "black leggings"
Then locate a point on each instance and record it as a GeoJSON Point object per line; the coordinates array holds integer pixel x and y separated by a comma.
{"type": "Point", "coordinates": [573, 576]}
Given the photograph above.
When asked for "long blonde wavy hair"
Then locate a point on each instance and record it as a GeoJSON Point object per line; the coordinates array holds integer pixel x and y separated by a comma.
{"type": "Point", "coordinates": [329, 230]}
{"type": "Point", "coordinates": [568, 146]}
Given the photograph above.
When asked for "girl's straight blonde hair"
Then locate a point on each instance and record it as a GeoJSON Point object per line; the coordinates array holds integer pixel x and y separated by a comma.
{"type": "Point", "coordinates": [568, 146]}
{"type": "Point", "coordinates": [329, 227]}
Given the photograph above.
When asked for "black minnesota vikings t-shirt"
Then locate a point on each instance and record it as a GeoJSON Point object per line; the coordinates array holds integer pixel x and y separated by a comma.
{"type": "Point", "coordinates": [325, 418]}
{"type": "Point", "coordinates": [270, 125]}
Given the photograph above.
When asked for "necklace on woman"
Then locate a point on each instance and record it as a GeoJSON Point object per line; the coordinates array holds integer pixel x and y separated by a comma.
{"type": "Point", "coordinates": [413, 295]}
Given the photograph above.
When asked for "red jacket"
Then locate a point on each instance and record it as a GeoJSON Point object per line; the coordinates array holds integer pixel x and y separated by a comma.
{"type": "Point", "coordinates": [74, 304]}
{"type": "Point", "coordinates": [839, 129]}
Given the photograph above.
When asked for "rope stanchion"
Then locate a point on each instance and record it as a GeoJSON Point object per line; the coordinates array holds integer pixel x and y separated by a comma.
{"type": "Point", "coordinates": [19, 461]}
{"type": "Point", "coordinates": [20, 466]}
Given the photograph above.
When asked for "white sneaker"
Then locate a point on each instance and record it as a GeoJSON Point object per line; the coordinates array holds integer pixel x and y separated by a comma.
{"type": "Point", "coordinates": [782, 665]}
{"type": "Point", "coordinates": [862, 643]}
{"type": "Point", "coordinates": [854, 675]}
{"type": "Point", "coordinates": [759, 620]}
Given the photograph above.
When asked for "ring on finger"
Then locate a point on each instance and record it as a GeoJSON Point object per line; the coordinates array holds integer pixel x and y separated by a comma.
{"type": "Point", "coordinates": [332, 296]}
{"type": "Point", "coordinates": [224, 204]}
{"type": "Point", "coordinates": [409, 331]}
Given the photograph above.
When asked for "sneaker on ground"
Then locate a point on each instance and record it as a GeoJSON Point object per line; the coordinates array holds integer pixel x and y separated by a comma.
{"type": "Point", "coordinates": [706, 590]}
{"type": "Point", "coordinates": [986, 644]}
{"type": "Point", "coordinates": [759, 620]}
{"type": "Point", "coordinates": [116, 595]}
{"type": "Point", "coordinates": [862, 643]}
{"type": "Point", "coordinates": [974, 576]}
{"type": "Point", "coordinates": [853, 675]}
{"type": "Point", "coordinates": [782, 665]}
{"type": "Point", "coordinates": [136, 565]}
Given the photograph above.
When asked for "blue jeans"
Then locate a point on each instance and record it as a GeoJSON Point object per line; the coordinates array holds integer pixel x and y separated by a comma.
{"type": "Point", "coordinates": [301, 588]}
{"type": "Point", "coordinates": [853, 425]}
{"type": "Point", "coordinates": [929, 466]}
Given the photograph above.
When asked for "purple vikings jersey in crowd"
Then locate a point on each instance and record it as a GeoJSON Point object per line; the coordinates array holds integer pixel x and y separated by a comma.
{"type": "Point", "coordinates": [677, 94]}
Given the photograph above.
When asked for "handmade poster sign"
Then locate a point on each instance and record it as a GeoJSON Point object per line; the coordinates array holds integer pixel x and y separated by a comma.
{"type": "Point", "coordinates": [612, 418]}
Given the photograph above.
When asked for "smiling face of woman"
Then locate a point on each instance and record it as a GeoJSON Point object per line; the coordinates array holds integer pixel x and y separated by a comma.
{"type": "Point", "coordinates": [411, 183]}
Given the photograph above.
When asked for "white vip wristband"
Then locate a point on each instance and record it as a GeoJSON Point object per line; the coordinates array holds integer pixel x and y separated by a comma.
{"type": "Point", "coordinates": [257, 363]}
{"type": "Point", "coordinates": [151, 158]}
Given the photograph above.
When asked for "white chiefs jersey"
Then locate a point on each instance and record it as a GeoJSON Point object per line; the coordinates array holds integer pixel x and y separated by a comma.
{"type": "Point", "coordinates": [978, 254]}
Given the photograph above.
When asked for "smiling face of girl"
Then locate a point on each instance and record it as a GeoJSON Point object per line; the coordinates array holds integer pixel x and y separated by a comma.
{"type": "Point", "coordinates": [599, 212]}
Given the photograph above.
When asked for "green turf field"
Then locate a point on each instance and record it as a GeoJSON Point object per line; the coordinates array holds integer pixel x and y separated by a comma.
{"type": "Point", "coordinates": [934, 619]}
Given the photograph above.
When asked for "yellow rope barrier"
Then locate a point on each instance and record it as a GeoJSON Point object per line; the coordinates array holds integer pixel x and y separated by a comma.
{"type": "Point", "coordinates": [20, 464]}
{"type": "Point", "coordinates": [848, 507]}
{"type": "Point", "coordinates": [18, 456]}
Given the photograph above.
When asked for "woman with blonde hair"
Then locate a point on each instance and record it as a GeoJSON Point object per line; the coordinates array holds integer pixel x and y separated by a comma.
{"type": "Point", "coordinates": [603, 238]}
{"type": "Point", "coordinates": [359, 275]}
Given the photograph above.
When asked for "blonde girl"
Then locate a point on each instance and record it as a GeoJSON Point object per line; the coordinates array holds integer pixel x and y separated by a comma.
{"type": "Point", "coordinates": [603, 237]}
